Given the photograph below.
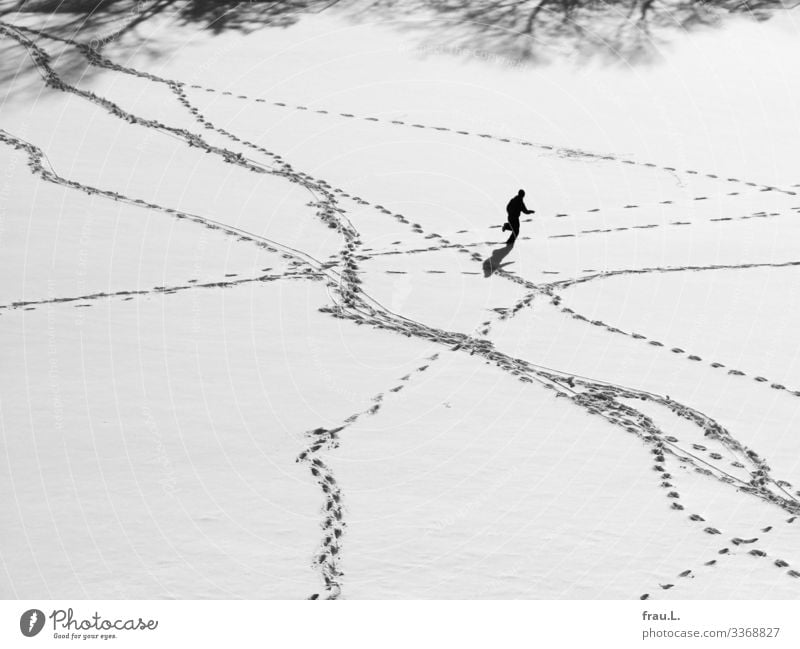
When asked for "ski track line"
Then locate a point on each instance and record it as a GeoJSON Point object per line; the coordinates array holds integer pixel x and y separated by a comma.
{"type": "Point", "coordinates": [35, 155]}
{"type": "Point", "coordinates": [603, 402]}
{"type": "Point", "coordinates": [562, 151]}
{"type": "Point", "coordinates": [735, 541]}
{"type": "Point", "coordinates": [567, 283]}
{"type": "Point", "coordinates": [325, 208]}
{"type": "Point", "coordinates": [598, 398]}
{"type": "Point", "coordinates": [526, 301]}
{"type": "Point", "coordinates": [759, 477]}
{"type": "Point", "coordinates": [95, 59]}
{"type": "Point", "coordinates": [35, 162]}
{"type": "Point", "coordinates": [780, 563]}
{"type": "Point", "coordinates": [296, 257]}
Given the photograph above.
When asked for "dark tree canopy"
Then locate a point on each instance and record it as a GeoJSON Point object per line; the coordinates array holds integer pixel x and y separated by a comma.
{"type": "Point", "coordinates": [521, 31]}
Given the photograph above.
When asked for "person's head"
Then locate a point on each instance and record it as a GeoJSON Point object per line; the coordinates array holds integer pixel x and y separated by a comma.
{"type": "Point", "coordinates": [521, 193]}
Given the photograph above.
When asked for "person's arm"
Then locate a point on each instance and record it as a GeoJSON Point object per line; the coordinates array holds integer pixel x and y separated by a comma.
{"type": "Point", "coordinates": [526, 210]}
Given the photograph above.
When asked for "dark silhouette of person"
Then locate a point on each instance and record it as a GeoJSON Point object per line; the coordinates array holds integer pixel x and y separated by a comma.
{"type": "Point", "coordinates": [514, 208]}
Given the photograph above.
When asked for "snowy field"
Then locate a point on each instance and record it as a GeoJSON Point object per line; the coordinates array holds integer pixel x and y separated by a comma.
{"type": "Point", "coordinates": [262, 337]}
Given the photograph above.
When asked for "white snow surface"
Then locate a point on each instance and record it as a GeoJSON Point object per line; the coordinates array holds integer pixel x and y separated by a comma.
{"type": "Point", "coordinates": [315, 369]}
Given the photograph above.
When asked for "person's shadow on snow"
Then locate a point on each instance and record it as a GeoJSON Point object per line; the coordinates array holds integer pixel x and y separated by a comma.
{"type": "Point", "coordinates": [493, 263]}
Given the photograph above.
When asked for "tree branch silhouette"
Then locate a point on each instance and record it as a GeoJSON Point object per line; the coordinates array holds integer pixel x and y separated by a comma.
{"type": "Point", "coordinates": [518, 31]}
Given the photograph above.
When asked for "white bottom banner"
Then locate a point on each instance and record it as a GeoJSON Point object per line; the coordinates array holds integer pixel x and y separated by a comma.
{"type": "Point", "coordinates": [354, 624]}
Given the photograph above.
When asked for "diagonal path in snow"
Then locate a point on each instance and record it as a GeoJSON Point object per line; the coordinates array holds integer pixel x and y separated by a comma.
{"type": "Point", "coordinates": [561, 151]}
{"type": "Point", "coordinates": [596, 398]}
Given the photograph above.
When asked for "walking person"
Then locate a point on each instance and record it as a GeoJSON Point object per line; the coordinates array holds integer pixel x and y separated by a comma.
{"type": "Point", "coordinates": [515, 207]}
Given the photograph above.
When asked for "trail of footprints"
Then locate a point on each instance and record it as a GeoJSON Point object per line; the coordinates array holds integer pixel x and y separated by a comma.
{"type": "Point", "coordinates": [758, 477]}
{"type": "Point", "coordinates": [127, 295]}
{"type": "Point", "coordinates": [333, 524]}
{"type": "Point", "coordinates": [557, 301]}
{"type": "Point", "coordinates": [757, 480]}
{"type": "Point", "coordinates": [93, 54]}
{"type": "Point", "coordinates": [600, 399]}
{"type": "Point", "coordinates": [649, 226]}
{"type": "Point", "coordinates": [325, 212]}
{"type": "Point", "coordinates": [729, 550]}
{"type": "Point", "coordinates": [351, 304]}
{"type": "Point", "coordinates": [734, 543]}
{"type": "Point", "coordinates": [417, 228]}
{"type": "Point", "coordinates": [562, 151]}
{"type": "Point", "coordinates": [581, 233]}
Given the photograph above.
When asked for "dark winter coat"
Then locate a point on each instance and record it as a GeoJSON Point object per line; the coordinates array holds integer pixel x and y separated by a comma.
{"type": "Point", "coordinates": [515, 206]}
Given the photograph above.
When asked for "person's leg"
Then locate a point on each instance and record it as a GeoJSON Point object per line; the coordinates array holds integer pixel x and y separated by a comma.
{"type": "Point", "coordinates": [514, 227]}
